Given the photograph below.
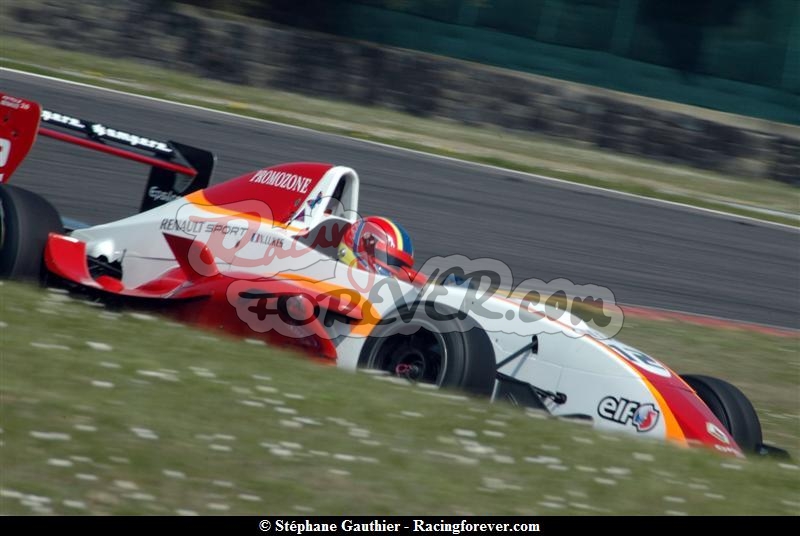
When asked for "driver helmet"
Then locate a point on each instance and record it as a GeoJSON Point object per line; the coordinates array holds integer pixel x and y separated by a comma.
{"type": "Point", "coordinates": [378, 245]}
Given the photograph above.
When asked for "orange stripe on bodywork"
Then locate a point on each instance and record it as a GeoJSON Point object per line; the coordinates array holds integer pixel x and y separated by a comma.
{"type": "Point", "coordinates": [199, 200]}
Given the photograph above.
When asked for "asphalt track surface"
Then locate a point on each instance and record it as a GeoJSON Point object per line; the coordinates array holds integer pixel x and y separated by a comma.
{"type": "Point", "coordinates": [648, 253]}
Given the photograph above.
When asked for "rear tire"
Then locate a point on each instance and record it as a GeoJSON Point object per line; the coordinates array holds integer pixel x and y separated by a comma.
{"type": "Point", "coordinates": [453, 353]}
{"type": "Point", "coordinates": [26, 220]}
{"type": "Point", "coordinates": [732, 408]}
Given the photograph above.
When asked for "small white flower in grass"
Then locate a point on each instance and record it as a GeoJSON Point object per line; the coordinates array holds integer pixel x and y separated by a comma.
{"type": "Point", "coordinates": [319, 453]}
{"type": "Point", "coordinates": [184, 512]}
{"type": "Point", "coordinates": [81, 459]}
{"type": "Point", "coordinates": [142, 316]}
{"type": "Point", "coordinates": [473, 447]}
{"type": "Point", "coordinates": [109, 364]}
{"type": "Point", "coordinates": [697, 486]}
{"type": "Point", "coordinates": [3, 324]}
{"type": "Point", "coordinates": [290, 424]}
{"type": "Point", "coordinates": [495, 422]}
{"type": "Point", "coordinates": [58, 462]}
{"type": "Point", "coordinates": [291, 445]}
{"type": "Point", "coordinates": [119, 459]}
{"type": "Point", "coordinates": [583, 440]}
{"type": "Point", "coordinates": [502, 458]}
{"type": "Point", "coordinates": [220, 448]}
{"type": "Point", "coordinates": [670, 498]}
{"type": "Point", "coordinates": [266, 389]}
{"type": "Point", "coordinates": [345, 457]}
{"type": "Point", "coordinates": [222, 483]}
{"type": "Point", "coordinates": [307, 420]}
{"type": "Point", "coordinates": [339, 472]}
{"type": "Point", "coordinates": [617, 471]}
{"type": "Point", "coordinates": [606, 481]}
{"type": "Point", "coordinates": [126, 484]}
{"type": "Point", "coordinates": [643, 457]}
{"type": "Point", "coordinates": [225, 437]}
{"type": "Point", "coordinates": [715, 496]}
{"type": "Point", "coordinates": [557, 467]}
{"type": "Point", "coordinates": [675, 513]}
{"type": "Point", "coordinates": [287, 411]}
{"type": "Point", "coordinates": [102, 384]}
{"type": "Point", "coordinates": [220, 507]}
{"type": "Point", "coordinates": [86, 476]}
{"type": "Point", "coordinates": [256, 342]}
{"type": "Point", "coordinates": [553, 505]}
{"type": "Point", "coordinates": [10, 493]}
{"type": "Point", "coordinates": [273, 401]}
{"type": "Point", "coordinates": [203, 373]}
{"type": "Point", "coordinates": [733, 466]}
{"type": "Point", "coordinates": [304, 509]}
{"type": "Point", "coordinates": [48, 346]}
{"type": "Point", "coordinates": [99, 346]}
{"type": "Point", "coordinates": [139, 496]}
{"type": "Point", "coordinates": [294, 396]}
{"type": "Point", "coordinates": [277, 451]}
{"type": "Point", "coordinates": [370, 442]}
{"type": "Point", "coordinates": [788, 466]}
{"type": "Point", "coordinates": [69, 503]}
{"type": "Point", "coordinates": [493, 433]}
{"type": "Point", "coordinates": [546, 460]}
{"type": "Point", "coordinates": [551, 447]}
{"type": "Point", "coordinates": [261, 377]}
{"type": "Point", "coordinates": [464, 433]}
{"type": "Point", "coordinates": [50, 436]}
{"type": "Point", "coordinates": [252, 403]}
{"type": "Point", "coordinates": [248, 497]}
{"type": "Point", "coordinates": [358, 432]}
{"type": "Point", "coordinates": [411, 414]}
{"type": "Point", "coordinates": [158, 374]}
{"type": "Point", "coordinates": [174, 474]}
{"type": "Point", "coordinates": [144, 433]}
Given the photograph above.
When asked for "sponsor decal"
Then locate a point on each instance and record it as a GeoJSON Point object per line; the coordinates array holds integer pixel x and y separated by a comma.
{"type": "Point", "coordinates": [643, 417]}
{"type": "Point", "coordinates": [314, 202]}
{"type": "Point", "coordinates": [157, 194]}
{"type": "Point", "coordinates": [61, 119]}
{"type": "Point", "coordinates": [130, 139]}
{"type": "Point", "coordinates": [14, 102]}
{"type": "Point", "coordinates": [715, 432]}
{"type": "Point", "coordinates": [640, 359]}
{"type": "Point", "coordinates": [281, 179]}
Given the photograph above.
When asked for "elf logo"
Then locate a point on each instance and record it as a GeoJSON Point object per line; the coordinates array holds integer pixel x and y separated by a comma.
{"type": "Point", "coordinates": [643, 417]}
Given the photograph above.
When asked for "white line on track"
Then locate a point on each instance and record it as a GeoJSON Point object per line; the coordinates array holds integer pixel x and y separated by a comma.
{"type": "Point", "coordinates": [532, 177]}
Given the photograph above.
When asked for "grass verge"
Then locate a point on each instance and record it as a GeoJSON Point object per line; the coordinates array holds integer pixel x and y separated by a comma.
{"type": "Point", "coordinates": [122, 413]}
{"type": "Point", "coordinates": [562, 159]}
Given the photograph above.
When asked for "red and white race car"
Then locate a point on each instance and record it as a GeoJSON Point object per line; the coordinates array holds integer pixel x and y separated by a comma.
{"type": "Point", "coordinates": [258, 256]}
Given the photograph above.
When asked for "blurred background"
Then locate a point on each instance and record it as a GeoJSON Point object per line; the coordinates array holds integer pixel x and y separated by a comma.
{"type": "Point", "coordinates": [740, 56]}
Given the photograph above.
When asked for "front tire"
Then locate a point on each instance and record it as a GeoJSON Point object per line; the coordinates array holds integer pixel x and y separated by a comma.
{"type": "Point", "coordinates": [732, 408]}
{"type": "Point", "coordinates": [452, 353]}
{"type": "Point", "coordinates": [26, 220]}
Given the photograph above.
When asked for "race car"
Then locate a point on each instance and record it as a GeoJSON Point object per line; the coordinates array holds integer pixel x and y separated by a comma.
{"type": "Point", "coordinates": [281, 253]}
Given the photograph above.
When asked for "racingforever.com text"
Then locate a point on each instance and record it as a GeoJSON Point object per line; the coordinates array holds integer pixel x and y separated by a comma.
{"type": "Point", "coordinates": [293, 526]}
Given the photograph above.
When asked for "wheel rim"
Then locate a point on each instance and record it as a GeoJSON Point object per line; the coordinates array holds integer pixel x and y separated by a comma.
{"type": "Point", "coordinates": [420, 357]}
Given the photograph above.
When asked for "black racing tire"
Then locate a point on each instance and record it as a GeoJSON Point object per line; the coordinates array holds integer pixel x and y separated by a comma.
{"type": "Point", "coordinates": [731, 407]}
{"type": "Point", "coordinates": [464, 360]}
{"type": "Point", "coordinates": [26, 220]}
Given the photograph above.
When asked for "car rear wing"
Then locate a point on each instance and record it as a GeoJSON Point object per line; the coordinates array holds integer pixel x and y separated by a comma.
{"type": "Point", "coordinates": [176, 169]}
